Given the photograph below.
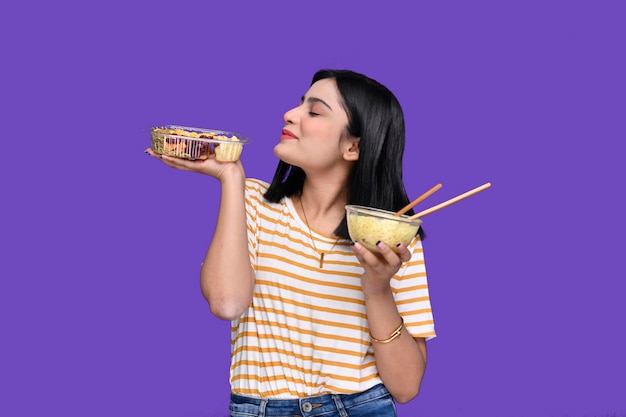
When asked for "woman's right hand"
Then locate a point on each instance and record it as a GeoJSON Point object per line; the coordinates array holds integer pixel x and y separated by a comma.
{"type": "Point", "coordinates": [211, 166]}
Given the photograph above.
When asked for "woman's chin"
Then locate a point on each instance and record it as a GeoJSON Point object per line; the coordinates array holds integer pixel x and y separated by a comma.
{"type": "Point", "coordinates": [281, 153]}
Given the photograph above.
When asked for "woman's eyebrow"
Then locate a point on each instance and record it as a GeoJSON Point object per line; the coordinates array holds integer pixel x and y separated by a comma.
{"type": "Point", "coordinates": [312, 100]}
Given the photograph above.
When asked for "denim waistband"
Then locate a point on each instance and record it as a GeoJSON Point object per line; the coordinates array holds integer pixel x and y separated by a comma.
{"type": "Point", "coordinates": [310, 406]}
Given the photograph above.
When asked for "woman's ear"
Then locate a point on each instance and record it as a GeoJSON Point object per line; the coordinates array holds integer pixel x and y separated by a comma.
{"type": "Point", "coordinates": [351, 151]}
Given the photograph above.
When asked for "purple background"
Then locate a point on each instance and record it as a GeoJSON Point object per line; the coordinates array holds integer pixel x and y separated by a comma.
{"type": "Point", "coordinates": [100, 307]}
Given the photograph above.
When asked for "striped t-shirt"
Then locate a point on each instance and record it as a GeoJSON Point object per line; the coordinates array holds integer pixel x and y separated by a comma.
{"type": "Point", "coordinates": [305, 332]}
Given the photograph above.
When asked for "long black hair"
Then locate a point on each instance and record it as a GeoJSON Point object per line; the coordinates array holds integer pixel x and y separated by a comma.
{"type": "Point", "coordinates": [375, 116]}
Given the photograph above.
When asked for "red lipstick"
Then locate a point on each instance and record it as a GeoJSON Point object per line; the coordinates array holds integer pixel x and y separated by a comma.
{"type": "Point", "coordinates": [287, 135]}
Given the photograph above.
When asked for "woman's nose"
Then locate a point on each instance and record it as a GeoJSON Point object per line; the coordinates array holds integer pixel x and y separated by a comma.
{"type": "Point", "coordinates": [291, 116]}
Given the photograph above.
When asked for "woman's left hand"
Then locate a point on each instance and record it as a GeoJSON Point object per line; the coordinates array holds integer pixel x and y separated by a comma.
{"type": "Point", "coordinates": [380, 267]}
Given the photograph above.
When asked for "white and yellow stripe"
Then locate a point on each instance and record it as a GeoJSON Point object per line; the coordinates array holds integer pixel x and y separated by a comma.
{"type": "Point", "coordinates": [305, 332]}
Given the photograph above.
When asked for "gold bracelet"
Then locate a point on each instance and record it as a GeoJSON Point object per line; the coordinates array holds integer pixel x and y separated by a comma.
{"type": "Point", "coordinates": [394, 335]}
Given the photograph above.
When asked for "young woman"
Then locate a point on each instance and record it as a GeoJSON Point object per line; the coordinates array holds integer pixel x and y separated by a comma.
{"type": "Point", "coordinates": [320, 326]}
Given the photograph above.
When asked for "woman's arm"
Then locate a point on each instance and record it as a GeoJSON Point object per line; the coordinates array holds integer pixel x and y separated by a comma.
{"type": "Point", "coordinates": [226, 276]}
{"type": "Point", "coordinates": [401, 362]}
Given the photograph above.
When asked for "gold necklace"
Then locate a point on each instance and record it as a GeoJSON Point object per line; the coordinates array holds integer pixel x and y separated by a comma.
{"type": "Point", "coordinates": [311, 237]}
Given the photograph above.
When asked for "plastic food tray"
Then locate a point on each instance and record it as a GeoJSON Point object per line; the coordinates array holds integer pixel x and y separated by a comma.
{"type": "Point", "coordinates": [197, 143]}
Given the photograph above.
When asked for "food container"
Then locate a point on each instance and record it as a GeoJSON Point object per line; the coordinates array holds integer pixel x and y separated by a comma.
{"type": "Point", "coordinates": [368, 225]}
{"type": "Point", "coordinates": [197, 143]}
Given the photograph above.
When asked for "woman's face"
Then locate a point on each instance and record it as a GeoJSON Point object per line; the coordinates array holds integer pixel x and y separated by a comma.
{"type": "Point", "coordinates": [315, 135]}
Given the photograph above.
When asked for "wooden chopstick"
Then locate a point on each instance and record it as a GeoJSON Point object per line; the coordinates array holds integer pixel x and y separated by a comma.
{"type": "Point", "coordinates": [417, 200]}
{"type": "Point", "coordinates": [450, 201]}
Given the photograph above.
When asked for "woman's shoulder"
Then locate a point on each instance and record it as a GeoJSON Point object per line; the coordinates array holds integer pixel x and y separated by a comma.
{"type": "Point", "coordinates": [255, 185]}
{"type": "Point", "coordinates": [255, 191]}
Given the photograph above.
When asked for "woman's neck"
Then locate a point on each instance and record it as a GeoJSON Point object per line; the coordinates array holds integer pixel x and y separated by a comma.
{"type": "Point", "coordinates": [323, 203]}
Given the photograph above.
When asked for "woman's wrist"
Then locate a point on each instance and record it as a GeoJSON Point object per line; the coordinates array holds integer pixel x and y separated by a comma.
{"type": "Point", "coordinates": [383, 316]}
{"type": "Point", "coordinates": [375, 290]}
{"type": "Point", "coordinates": [232, 174]}
{"type": "Point", "coordinates": [392, 336]}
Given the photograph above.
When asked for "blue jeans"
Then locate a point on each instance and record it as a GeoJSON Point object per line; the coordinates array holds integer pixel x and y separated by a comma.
{"type": "Point", "coordinates": [375, 402]}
